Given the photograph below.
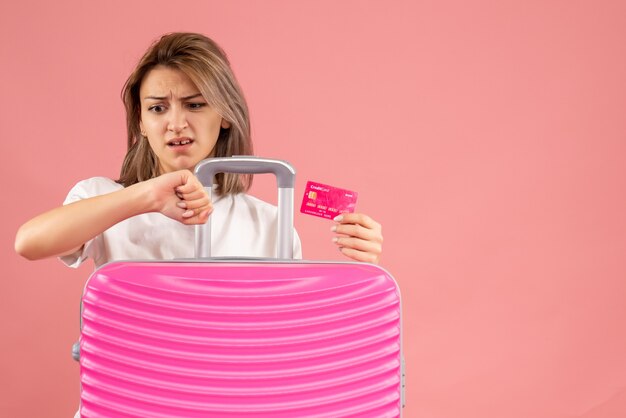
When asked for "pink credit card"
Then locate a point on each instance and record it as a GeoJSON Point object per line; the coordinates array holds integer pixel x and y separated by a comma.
{"type": "Point", "coordinates": [327, 201]}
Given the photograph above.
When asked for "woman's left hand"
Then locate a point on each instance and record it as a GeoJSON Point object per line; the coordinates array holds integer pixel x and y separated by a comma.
{"type": "Point", "coordinates": [358, 237]}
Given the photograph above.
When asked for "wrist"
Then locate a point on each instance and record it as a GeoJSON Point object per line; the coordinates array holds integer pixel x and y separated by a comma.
{"type": "Point", "coordinates": [141, 197]}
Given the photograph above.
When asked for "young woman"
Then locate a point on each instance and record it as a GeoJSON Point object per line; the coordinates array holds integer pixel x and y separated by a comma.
{"type": "Point", "coordinates": [183, 104]}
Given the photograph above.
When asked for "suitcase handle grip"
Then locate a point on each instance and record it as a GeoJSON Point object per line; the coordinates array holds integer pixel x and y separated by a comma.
{"type": "Point", "coordinates": [244, 164]}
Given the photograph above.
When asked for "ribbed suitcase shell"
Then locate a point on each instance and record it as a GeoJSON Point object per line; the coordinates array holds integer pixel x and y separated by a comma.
{"type": "Point", "coordinates": [241, 339]}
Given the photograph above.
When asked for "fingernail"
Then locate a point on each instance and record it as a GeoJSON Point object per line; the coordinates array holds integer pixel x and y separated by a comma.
{"type": "Point", "coordinates": [181, 205]}
{"type": "Point", "coordinates": [338, 218]}
{"type": "Point", "coordinates": [188, 214]}
{"type": "Point", "coordinates": [335, 239]}
{"type": "Point", "coordinates": [333, 228]}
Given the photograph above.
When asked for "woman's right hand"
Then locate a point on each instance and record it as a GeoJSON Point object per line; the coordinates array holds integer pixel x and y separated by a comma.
{"type": "Point", "coordinates": [63, 230]}
{"type": "Point", "coordinates": [180, 195]}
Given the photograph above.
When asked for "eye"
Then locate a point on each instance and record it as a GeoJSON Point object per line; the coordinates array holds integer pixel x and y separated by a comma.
{"type": "Point", "coordinates": [156, 108]}
{"type": "Point", "coordinates": [196, 106]}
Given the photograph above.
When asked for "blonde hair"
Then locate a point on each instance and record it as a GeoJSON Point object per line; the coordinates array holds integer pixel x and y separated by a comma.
{"type": "Point", "coordinates": [206, 64]}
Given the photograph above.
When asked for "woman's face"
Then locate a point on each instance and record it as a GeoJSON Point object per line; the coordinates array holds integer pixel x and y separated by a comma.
{"type": "Point", "coordinates": [181, 127]}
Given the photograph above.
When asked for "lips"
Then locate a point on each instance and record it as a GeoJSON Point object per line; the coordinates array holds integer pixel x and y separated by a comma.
{"type": "Point", "coordinates": [179, 142]}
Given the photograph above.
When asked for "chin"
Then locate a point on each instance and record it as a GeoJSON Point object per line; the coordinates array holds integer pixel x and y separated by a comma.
{"type": "Point", "coordinates": [186, 164]}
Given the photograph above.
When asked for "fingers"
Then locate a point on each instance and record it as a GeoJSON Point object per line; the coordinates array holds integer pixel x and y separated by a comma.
{"type": "Point", "coordinates": [359, 237]}
{"type": "Point", "coordinates": [358, 225]}
{"type": "Point", "coordinates": [358, 244]}
{"type": "Point", "coordinates": [196, 212]}
{"type": "Point", "coordinates": [193, 199]}
{"type": "Point", "coordinates": [362, 256]}
{"type": "Point", "coordinates": [179, 195]}
{"type": "Point", "coordinates": [199, 218]}
{"type": "Point", "coordinates": [203, 201]}
{"type": "Point", "coordinates": [191, 191]}
{"type": "Point", "coordinates": [196, 207]}
{"type": "Point", "coordinates": [356, 231]}
{"type": "Point", "coordinates": [358, 219]}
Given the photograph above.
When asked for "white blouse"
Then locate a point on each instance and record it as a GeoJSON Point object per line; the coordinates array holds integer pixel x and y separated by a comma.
{"type": "Point", "coordinates": [242, 225]}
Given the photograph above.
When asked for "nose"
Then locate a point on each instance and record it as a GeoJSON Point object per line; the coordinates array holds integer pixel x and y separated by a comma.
{"type": "Point", "coordinates": [177, 120]}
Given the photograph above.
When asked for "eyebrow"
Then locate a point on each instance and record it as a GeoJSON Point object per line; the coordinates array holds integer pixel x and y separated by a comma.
{"type": "Point", "coordinates": [193, 96]}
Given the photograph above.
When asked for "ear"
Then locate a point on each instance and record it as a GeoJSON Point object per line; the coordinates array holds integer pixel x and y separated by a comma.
{"type": "Point", "coordinates": [141, 128]}
{"type": "Point", "coordinates": [225, 124]}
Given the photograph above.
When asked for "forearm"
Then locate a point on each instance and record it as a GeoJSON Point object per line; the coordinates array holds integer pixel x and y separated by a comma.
{"type": "Point", "coordinates": [64, 229]}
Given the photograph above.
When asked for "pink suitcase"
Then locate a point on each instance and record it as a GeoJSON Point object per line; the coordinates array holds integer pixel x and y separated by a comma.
{"type": "Point", "coordinates": [241, 337]}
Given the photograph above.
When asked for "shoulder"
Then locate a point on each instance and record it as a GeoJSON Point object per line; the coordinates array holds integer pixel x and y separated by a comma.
{"type": "Point", "coordinates": [91, 187]}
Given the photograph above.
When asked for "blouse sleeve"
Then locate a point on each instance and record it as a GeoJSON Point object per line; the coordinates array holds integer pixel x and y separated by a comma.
{"type": "Point", "coordinates": [93, 248]}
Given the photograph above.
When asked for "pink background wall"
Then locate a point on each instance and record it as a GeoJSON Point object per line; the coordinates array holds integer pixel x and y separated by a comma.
{"type": "Point", "coordinates": [488, 138]}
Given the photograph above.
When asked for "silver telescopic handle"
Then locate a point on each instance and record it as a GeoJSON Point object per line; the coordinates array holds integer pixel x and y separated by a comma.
{"type": "Point", "coordinates": [285, 178]}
